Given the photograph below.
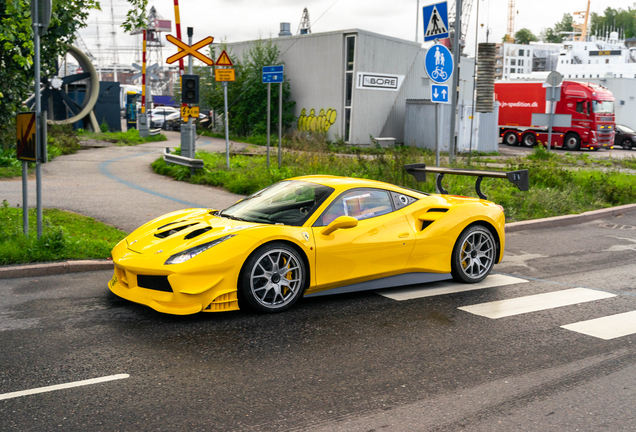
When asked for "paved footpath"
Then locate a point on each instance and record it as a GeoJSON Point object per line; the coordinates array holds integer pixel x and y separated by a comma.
{"type": "Point", "coordinates": [116, 185]}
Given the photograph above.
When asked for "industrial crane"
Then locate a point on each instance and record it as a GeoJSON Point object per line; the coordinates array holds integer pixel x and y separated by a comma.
{"type": "Point", "coordinates": [467, 6]}
{"type": "Point", "coordinates": [510, 34]}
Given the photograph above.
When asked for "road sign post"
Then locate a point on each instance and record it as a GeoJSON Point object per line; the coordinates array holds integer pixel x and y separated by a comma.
{"type": "Point", "coordinates": [190, 50]}
{"type": "Point", "coordinates": [225, 75]}
{"type": "Point", "coordinates": [554, 81]}
{"type": "Point", "coordinates": [439, 67]}
{"type": "Point", "coordinates": [274, 74]}
{"type": "Point", "coordinates": [455, 83]}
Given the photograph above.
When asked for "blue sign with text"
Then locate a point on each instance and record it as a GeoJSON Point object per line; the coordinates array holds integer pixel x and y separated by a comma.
{"type": "Point", "coordinates": [439, 64]}
{"type": "Point", "coordinates": [272, 74]}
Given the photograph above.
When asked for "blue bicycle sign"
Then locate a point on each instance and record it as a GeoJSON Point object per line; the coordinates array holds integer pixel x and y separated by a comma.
{"type": "Point", "coordinates": [439, 64]}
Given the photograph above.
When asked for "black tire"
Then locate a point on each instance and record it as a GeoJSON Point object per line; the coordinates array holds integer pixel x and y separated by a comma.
{"type": "Point", "coordinates": [262, 287]}
{"type": "Point", "coordinates": [627, 144]}
{"type": "Point", "coordinates": [474, 255]}
{"type": "Point", "coordinates": [529, 140]}
{"type": "Point", "coordinates": [572, 142]}
{"type": "Point", "coordinates": [511, 139]}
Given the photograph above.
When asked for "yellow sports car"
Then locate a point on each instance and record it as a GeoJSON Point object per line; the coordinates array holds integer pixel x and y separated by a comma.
{"type": "Point", "coordinates": [310, 236]}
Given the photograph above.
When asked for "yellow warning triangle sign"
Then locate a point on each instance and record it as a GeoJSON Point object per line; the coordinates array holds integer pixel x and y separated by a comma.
{"type": "Point", "coordinates": [224, 60]}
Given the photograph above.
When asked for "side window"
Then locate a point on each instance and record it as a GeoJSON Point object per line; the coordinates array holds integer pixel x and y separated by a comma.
{"type": "Point", "coordinates": [360, 204]}
{"type": "Point", "coordinates": [579, 107]}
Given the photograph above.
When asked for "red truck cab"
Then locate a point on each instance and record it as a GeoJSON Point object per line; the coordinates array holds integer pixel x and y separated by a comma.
{"type": "Point", "coordinates": [591, 107]}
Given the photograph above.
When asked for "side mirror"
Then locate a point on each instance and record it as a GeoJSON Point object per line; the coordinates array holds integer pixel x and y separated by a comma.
{"type": "Point", "coordinates": [343, 222]}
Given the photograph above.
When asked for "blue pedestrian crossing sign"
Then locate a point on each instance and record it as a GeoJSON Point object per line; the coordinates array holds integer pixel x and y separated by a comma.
{"type": "Point", "coordinates": [439, 93]}
{"type": "Point", "coordinates": [439, 63]}
{"type": "Point", "coordinates": [435, 21]}
{"type": "Point", "coordinates": [272, 74]}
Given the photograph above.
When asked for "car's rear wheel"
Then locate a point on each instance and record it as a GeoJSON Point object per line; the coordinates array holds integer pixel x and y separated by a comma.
{"type": "Point", "coordinates": [474, 255]}
{"type": "Point", "coordinates": [272, 279]}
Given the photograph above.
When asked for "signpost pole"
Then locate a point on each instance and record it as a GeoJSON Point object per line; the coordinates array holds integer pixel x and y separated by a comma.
{"type": "Point", "coordinates": [280, 124]}
{"type": "Point", "coordinates": [269, 90]}
{"type": "Point", "coordinates": [552, 104]}
{"type": "Point", "coordinates": [455, 81]}
{"type": "Point", "coordinates": [227, 130]}
{"type": "Point", "coordinates": [191, 132]}
{"type": "Point", "coordinates": [25, 198]}
{"type": "Point", "coordinates": [38, 114]}
{"type": "Point", "coordinates": [437, 135]}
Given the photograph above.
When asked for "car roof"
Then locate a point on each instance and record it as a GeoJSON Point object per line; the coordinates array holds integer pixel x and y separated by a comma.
{"type": "Point", "coordinates": [342, 183]}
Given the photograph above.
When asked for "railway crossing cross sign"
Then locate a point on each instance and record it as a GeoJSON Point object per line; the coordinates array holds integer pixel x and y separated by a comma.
{"type": "Point", "coordinates": [185, 49]}
{"type": "Point", "coordinates": [439, 64]}
{"type": "Point", "coordinates": [435, 21]}
{"type": "Point", "coordinates": [149, 71]}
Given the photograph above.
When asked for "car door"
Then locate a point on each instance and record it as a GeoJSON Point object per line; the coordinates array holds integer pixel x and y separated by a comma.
{"type": "Point", "coordinates": [379, 245]}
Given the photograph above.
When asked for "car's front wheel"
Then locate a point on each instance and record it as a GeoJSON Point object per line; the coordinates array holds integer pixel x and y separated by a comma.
{"type": "Point", "coordinates": [474, 255]}
{"type": "Point", "coordinates": [272, 279]}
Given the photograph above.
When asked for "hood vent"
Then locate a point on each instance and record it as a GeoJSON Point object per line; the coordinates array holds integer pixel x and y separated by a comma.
{"type": "Point", "coordinates": [197, 233]}
{"type": "Point", "coordinates": [171, 223]}
{"type": "Point", "coordinates": [175, 230]}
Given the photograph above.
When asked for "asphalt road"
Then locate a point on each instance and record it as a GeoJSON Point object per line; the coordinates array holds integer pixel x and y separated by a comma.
{"type": "Point", "coordinates": [357, 362]}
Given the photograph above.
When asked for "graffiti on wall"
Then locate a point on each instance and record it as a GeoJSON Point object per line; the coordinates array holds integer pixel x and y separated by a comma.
{"type": "Point", "coordinates": [321, 122]}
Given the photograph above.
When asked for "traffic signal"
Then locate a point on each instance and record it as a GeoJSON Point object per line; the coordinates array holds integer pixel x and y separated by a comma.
{"type": "Point", "coordinates": [190, 89]}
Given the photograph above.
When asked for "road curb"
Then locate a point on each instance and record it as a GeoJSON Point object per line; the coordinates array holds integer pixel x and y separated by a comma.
{"type": "Point", "coordinates": [45, 269]}
{"type": "Point", "coordinates": [569, 219]}
{"type": "Point", "coordinates": [55, 268]}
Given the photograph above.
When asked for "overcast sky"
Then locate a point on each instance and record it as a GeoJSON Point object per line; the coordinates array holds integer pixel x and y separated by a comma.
{"type": "Point", "coordinates": [240, 20]}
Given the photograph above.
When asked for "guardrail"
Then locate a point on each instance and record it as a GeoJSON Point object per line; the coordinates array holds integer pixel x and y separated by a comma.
{"type": "Point", "coordinates": [181, 160]}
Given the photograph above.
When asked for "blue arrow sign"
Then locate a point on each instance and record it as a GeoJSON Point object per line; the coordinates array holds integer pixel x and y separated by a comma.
{"type": "Point", "coordinates": [439, 64]}
{"type": "Point", "coordinates": [272, 74]}
{"type": "Point", "coordinates": [439, 93]}
{"type": "Point", "coordinates": [435, 21]}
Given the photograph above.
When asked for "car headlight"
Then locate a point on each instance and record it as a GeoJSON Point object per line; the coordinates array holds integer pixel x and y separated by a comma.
{"type": "Point", "coordinates": [192, 252]}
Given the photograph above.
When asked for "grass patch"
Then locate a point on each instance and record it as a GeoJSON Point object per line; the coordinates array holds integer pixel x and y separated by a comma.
{"type": "Point", "coordinates": [65, 236]}
{"type": "Point", "coordinates": [129, 138]}
{"type": "Point", "coordinates": [559, 183]}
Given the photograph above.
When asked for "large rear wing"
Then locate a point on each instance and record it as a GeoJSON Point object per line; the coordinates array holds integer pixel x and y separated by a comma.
{"type": "Point", "coordinates": [519, 178]}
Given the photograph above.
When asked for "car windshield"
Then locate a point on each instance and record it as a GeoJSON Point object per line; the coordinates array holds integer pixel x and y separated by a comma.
{"type": "Point", "coordinates": [289, 202]}
{"type": "Point", "coordinates": [625, 129]}
{"type": "Point", "coordinates": [603, 107]}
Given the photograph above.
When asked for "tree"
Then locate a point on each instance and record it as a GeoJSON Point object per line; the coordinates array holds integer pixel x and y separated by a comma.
{"type": "Point", "coordinates": [524, 36]}
{"type": "Point", "coordinates": [247, 96]}
{"type": "Point", "coordinates": [555, 34]}
{"type": "Point", "coordinates": [623, 20]}
{"type": "Point", "coordinates": [16, 48]}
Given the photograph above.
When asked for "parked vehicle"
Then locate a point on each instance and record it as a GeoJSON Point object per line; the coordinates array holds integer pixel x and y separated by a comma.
{"type": "Point", "coordinates": [625, 137]}
{"type": "Point", "coordinates": [159, 115]}
{"type": "Point", "coordinates": [591, 107]}
{"type": "Point", "coordinates": [173, 121]}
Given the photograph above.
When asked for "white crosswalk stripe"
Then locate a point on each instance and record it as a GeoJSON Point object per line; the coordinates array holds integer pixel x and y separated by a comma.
{"type": "Point", "coordinates": [609, 327]}
{"type": "Point", "coordinates": [534, 303]}
{"type": "Point", "coordinates": [446, 287]}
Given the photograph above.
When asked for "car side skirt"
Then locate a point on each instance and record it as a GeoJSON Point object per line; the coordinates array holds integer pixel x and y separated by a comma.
{"type": "Point", "coordinates": [385, 282]}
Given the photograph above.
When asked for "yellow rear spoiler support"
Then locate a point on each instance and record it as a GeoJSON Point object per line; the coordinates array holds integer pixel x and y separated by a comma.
{"type": "Point", "coordinates": [519, 178]}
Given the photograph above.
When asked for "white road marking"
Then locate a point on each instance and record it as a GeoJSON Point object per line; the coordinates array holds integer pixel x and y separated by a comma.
{"type": "Point", "coordinates": [63, 386]}
{"type": "Point", "coordinates": [608, 327]}
{"type": "Point", "coordinates": [534, 303]}
{"type": "Point", "coordinates": [446, 287]}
